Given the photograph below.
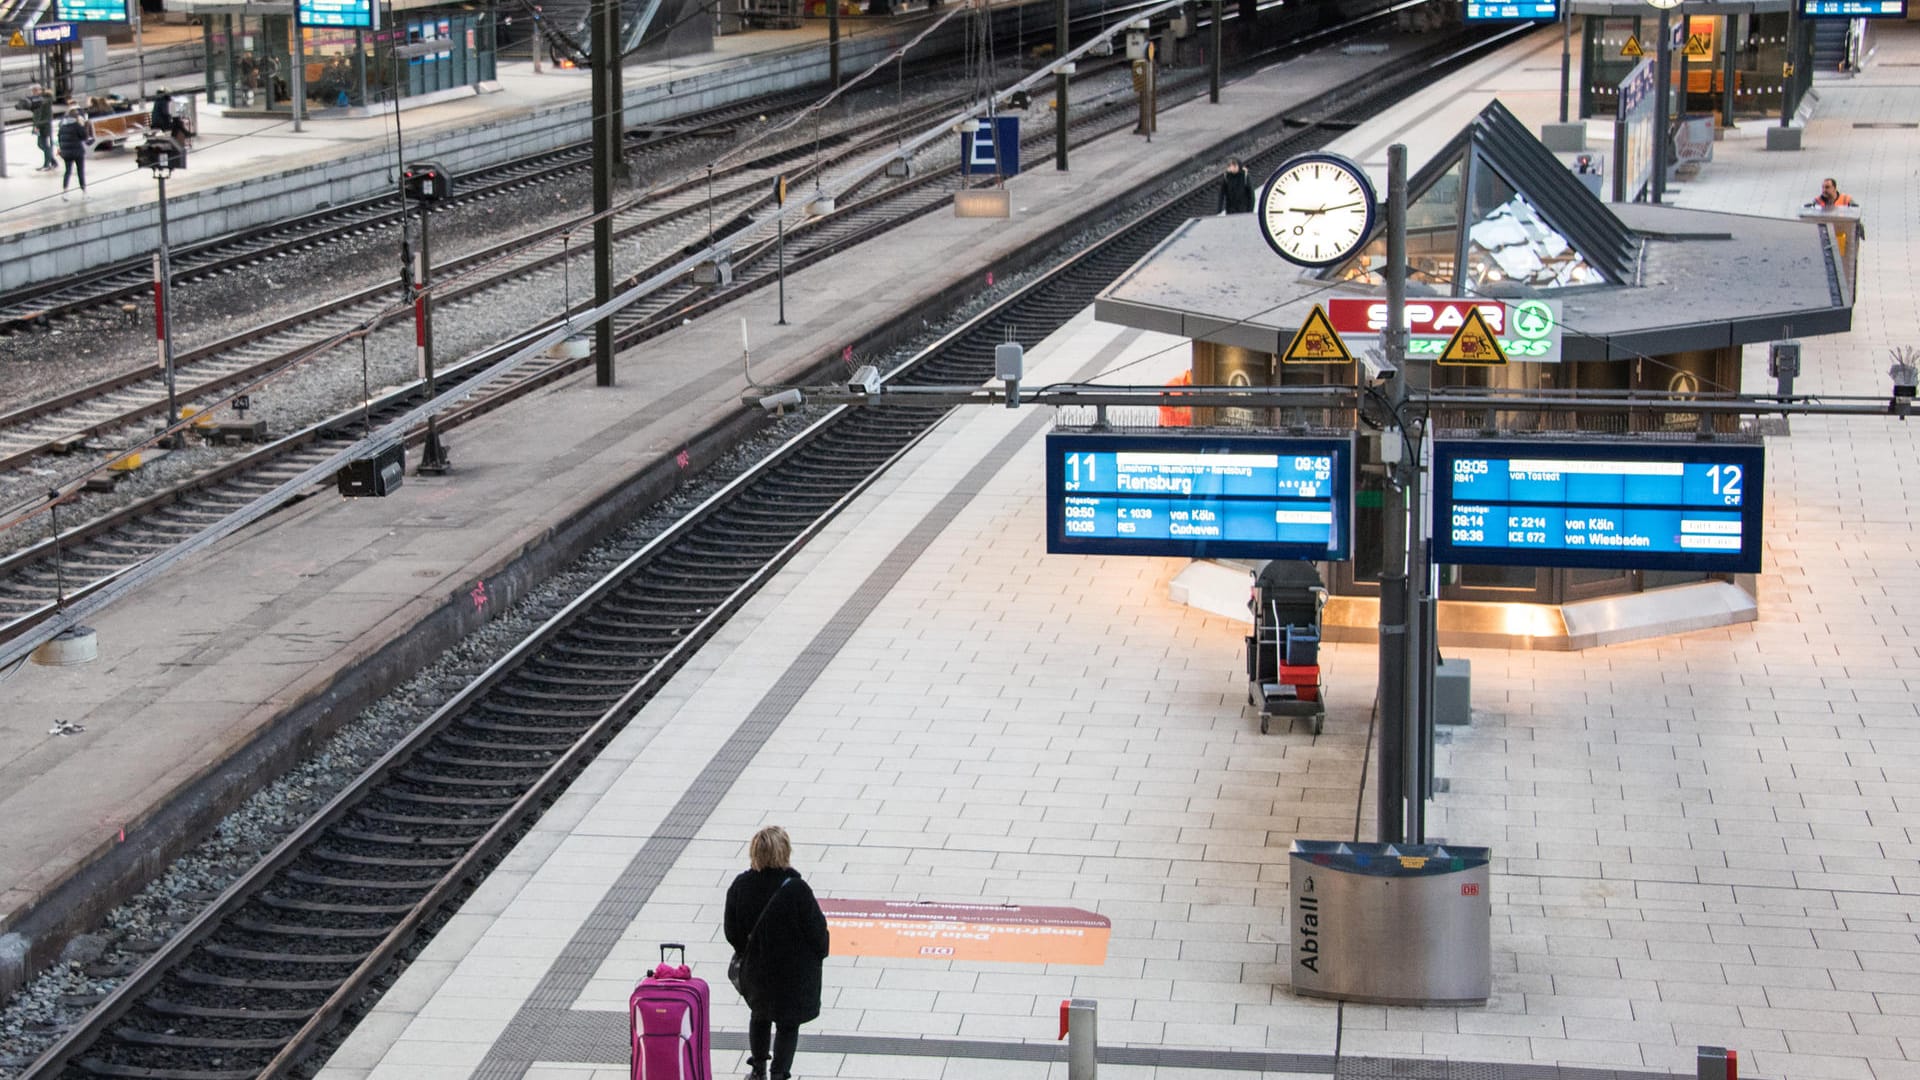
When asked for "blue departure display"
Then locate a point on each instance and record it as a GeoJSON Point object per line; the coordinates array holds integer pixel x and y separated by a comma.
{"type": "Point", "coordinates": [1853, 9]}
{"type": "Point", "coordinates": [93, 10]}
{"type": "Point", "coordinates": [363, 14]}
{"type": "Point", "coordinates": [1199, 496]}
{"type": "Point", "coordinates": [1527, 11]}
{"type": "Point", "coordinates": [1636, 506]}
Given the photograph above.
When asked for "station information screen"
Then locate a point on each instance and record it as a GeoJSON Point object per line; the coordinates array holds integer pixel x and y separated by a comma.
{"type": "Point", "coordinates": [1621, 505]}
{"type": "Point", "coordinates": [1853, 9]}
{"type": "Point", "coordinates": [363, 14]}
{"type": "Point", "coordinates": [1513, 10]}
{"type": "Point", "coordinates": [93, 10]}
{"type": "Point", "coordinates": [1200, 496]}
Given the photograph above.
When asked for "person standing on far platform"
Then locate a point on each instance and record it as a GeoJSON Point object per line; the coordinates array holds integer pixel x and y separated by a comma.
{"type": "Point", "coordinates": [76, 135]}
{"type": "Point", "coordinates": [779, 938]}
{"type": "Point", "coordinates": [40, 104]}
{"type": "Point", "coordinates": [1831, 196]}
{"type": "Point", "coordinates": [1236, 189]}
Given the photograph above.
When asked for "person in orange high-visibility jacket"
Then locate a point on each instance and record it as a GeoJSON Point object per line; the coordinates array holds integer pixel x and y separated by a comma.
{"type": "Point", "coordinates": [1171, 416]}
{"type": "Point", "coordinates": [1831, 196]}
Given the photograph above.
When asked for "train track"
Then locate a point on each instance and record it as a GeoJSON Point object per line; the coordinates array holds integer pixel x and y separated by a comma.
{"type": "Point", "coordinates": [35, 577]}
{"type": "Point", "coordinates": [278, 959]}
{"type": "Point", "coordinates": [68, 421]}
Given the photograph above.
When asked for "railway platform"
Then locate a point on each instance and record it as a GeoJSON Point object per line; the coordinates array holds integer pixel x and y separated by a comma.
{"type": "Point", "coordinates": [1708, 838]}
{"type": "Point", "coordinates": [232, 654]}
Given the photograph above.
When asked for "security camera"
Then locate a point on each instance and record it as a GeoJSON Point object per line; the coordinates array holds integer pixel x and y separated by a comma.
{"type": "Point", "coordinates": [785, 399]}
{"type": "Point", "coordinates": [864, 380]}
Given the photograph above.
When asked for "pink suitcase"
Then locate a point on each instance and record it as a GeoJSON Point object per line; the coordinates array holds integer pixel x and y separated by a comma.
{"type": "Point", "coordinates": [672, 1025]}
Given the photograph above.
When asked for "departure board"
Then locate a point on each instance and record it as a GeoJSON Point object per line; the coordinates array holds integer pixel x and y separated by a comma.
{"type": "Point", "coordinates": [1199, 496]}
{"type": "Point", "coordinates": [362, 14]}
{"type": "Point", "coordinates": [1620, 505]}
{"type": "Point", "coordinates": [1853, 9]}
{"type": "Point", "coordinates": [1512, 11]}
{"type": "Point", "coordinates": [93, 10]}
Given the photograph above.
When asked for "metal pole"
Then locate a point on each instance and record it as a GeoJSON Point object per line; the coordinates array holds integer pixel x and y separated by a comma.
{"type": "Point", "coordinates": [605, 15]}
{"type": "Point", "coordinates": [1083, 1038]}
{"type": "Point", "coordinates": [433, 457]}
{"type": "Point", "coordinates": [1789, 67]}
{"type": "Point", "coordinates": [833, 43]}
{"type": "Point", "coordinates": [139, 51]}
{"type": "Point", "coordinates": [1662, 102]}
{"type": "Point", "coordinates": [780, 261]}
{"type": "Point", "coordinates": [1060, 48]}
{"type": "Point", "coordinates": [1726, 70]}
{"type": "Point", "coordinates": [299, 80]}
{"type": "Point", "coordinates": [1566, 60]}
{"type": "Point", "coordinates": [1393, 555]}
{"type": "Point", "coordinates": [539, 39]}
{"type": "Point", "coordinates": [1213, 79]}
{"type": "Point", "coordinates": [162, 309]}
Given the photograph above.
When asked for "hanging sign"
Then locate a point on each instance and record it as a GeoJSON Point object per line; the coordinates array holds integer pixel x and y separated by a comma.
{"type": "Point", "coordinates": [111, 11]}
{"type": "Point", "coordinates": [1317, 342]}
{"type": "Point", "coordinates": [18, 40]}
{"type": "Point", "coordinates": [1632, 50]}
{"type": "Point", "coordinates": [1200, 497]}
{"type": "Point", "coordinates": [1525, 329]}
{"type": "Point", "coordinates": [1604, 505]}
{"type": "Point", "coordinates": [359, 14]}
{"type": "Point", "coordinates": [993, 149]}
{"type": "Point", "coordinates": [51, 33]}
{"type": "Point", "coordinates": [1512, 10]}
{"type": "Point", "coordinates": [1474, 344]}
{"type": "Point", "coordinates": [1853, 9]}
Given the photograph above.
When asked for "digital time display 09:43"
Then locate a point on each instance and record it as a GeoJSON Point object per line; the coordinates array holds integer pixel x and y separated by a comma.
{"type": "Point", "coordinates": [1219, 496]}
{"type": "Point", "coordinates": [1635, 506]}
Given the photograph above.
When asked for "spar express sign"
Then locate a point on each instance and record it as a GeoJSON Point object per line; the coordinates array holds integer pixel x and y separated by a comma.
{"type": "Point", "coordinates": [1528, 329]}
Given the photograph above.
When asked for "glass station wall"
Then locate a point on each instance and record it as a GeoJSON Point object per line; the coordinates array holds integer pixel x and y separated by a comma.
{"type": "Point", "coordinates": [250, 59]}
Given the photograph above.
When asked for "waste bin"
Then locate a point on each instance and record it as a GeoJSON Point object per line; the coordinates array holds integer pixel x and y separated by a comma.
{"type": "Point", "coordinates": [1391, 924]}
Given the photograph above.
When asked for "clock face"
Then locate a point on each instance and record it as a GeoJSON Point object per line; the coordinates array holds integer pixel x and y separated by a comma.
{"type": "Point", "coordinates": [1317, 210]}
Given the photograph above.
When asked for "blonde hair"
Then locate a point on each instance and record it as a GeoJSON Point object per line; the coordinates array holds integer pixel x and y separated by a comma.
{"type": "Point", "coordinates": [770, 849]}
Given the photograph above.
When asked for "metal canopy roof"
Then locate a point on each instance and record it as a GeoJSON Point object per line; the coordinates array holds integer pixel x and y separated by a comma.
{"type": "Point", "coordinates": [1496, 139]}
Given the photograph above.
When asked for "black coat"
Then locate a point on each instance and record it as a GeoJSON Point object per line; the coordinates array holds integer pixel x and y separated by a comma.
{"type": "Point", "coordinates": [781, 961]}
{"type": "Point", "coordinates": [1236, 193]}
{"type": "Point", "coordinates": [75, 136]}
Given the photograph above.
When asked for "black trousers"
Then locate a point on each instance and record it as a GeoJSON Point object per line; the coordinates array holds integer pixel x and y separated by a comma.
{"type": "Point", "coordinates": [76, 166]}
{"type": "Point", "coordinates": [760, 1030]}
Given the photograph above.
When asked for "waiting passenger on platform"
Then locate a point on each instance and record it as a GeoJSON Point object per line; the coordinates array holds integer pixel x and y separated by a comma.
{"type": "Point", "coordinates": [779, 939]}
{"type": "Point", "coordinates": [165, 122]}
{"type": "Point", "coordinates": [1236, 189]}
{"type": "Point", "coordinates": [1831, 196]}
{"type": "Point", "coordinates": [40, 104]}
{"type": "Point", "coordinates": [76, 135]}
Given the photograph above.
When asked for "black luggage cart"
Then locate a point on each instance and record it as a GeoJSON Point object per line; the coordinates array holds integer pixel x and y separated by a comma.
{"type": "Point", "coordinates": [1283, 652]}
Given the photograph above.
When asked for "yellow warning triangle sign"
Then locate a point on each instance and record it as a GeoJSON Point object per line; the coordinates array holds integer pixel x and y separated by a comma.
{"type": "Point", "coordinates": [1632, 50]}
{"type": "Point", "coordinates": [1697, 46]}
{"type": "Point", "coordinates": [1473, 344]}
{"type": "Point", "coordinates": [1316, 343]}
{"type": "Point", "coordinates": [18, 40]}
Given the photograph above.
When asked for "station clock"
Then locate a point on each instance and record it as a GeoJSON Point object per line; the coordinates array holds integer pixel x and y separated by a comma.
{"type": "Point", "coordinates": [1317, 209]}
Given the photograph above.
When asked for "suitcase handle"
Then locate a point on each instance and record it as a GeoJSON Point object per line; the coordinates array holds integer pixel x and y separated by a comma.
{"type": "Point", "coordinates": [664, 946]}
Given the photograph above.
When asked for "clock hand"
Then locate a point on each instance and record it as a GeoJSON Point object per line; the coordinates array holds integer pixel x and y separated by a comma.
{"type": "Point", "coordinates": [1343, 206]}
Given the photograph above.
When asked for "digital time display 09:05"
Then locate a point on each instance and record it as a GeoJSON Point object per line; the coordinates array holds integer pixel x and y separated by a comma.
{"type": "Point", "coordinates": [1638, 506]}
{"type": "Point", "coordinates": [1251, 497]}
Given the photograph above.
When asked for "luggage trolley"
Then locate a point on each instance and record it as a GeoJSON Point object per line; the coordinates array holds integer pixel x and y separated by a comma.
{"type": "Point", "coordinates": [1283, 652]}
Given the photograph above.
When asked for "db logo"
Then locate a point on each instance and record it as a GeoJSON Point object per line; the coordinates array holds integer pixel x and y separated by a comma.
{"type": "Point", "coordinates": [1471, 888]}
{"type": "Point", "coordinates": [936, 950]}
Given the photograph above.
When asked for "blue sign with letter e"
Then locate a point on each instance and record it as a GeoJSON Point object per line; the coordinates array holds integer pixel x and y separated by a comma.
{"type": "Point", "coordinates": [992, 149]}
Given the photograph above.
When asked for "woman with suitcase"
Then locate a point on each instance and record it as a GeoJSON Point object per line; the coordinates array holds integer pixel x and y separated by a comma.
{"type": "Point", "coordinates": [779, 939]}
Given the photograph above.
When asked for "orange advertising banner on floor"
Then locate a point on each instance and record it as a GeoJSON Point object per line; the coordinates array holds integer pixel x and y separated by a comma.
{"type": "Point", "coordinates": [934, 930]}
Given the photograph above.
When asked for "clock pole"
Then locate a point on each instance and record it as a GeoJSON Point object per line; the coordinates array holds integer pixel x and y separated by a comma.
{"type": "Point", "coordinates": [1390, 789]}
